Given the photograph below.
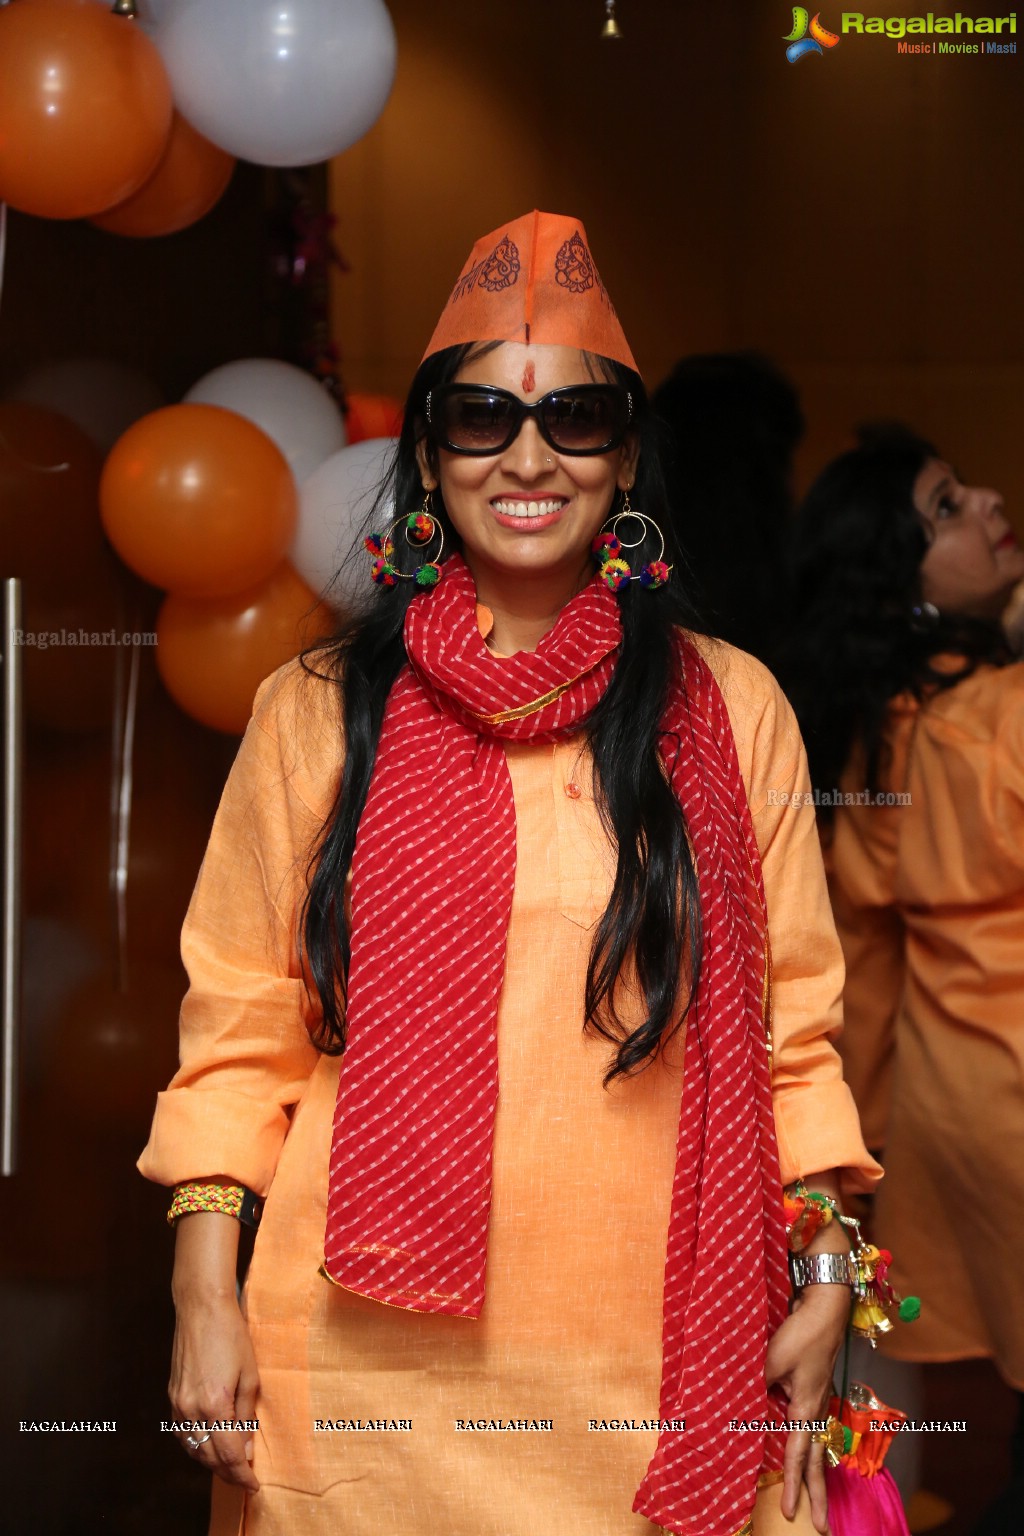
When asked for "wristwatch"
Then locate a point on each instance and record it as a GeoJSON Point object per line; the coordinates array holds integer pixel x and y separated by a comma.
{"type": "Point", "coordinates": [821, 1269]}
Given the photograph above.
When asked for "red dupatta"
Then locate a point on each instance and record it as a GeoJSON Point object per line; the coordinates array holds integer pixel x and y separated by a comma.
{"type": "Point", "coordinates": [432, 882]}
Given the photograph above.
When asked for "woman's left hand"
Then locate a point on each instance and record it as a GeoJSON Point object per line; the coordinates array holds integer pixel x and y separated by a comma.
{"type": "Point", "coordinates": [801, 1359]}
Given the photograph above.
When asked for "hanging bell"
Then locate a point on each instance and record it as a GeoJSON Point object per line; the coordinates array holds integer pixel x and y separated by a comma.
{"type": "Point", "coordinates": [611, 26]}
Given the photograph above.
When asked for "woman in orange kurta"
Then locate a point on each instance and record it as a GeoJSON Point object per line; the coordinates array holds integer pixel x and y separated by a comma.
{"type": "Point", "coordinates": [911, 707]}
{"type": "Point", "coordinates": [538, 1412]}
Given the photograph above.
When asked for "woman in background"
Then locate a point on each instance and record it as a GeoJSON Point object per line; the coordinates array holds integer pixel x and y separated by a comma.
{"type": "Point", "coordinates": [911, 708]}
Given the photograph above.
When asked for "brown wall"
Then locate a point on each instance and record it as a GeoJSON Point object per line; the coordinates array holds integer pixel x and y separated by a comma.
{"type": "Point", "coordinates": [173, 307]}
{"type": "Point", "coordinates": [858, 216]}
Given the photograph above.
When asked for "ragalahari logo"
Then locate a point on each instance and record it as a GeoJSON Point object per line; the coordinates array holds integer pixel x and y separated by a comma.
{"type": "Point", "coordinates": [808, 35]}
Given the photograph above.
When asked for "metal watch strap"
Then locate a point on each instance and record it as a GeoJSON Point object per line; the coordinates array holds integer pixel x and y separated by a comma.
{"type": "Point", "coordinates": [821, 1269]}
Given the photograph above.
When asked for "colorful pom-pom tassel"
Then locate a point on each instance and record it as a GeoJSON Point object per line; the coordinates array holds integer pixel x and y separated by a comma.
{"type": "Point", "coordinates": [428, 575]}
{"type": "Point", "coordinates": [383, 574]}
{"type": "Point", "coordinates": [615, 574]}
{"type": "Point", "coordinates": [910, 1309]}
{"type": "Point", "coordinates": [420, 528]}
{"type": "Point", "coordinates": [605, 547]}
{"type": "Point", "coordinates": [804, 1220]}
{"type": "Point", "coordinates": [655, 574]}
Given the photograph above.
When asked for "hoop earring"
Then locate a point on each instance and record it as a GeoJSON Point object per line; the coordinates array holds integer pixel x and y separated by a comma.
{"type": "Point", "coordinates": [420, 528]}
{"type": "Point", "coordinates": [612, 566]}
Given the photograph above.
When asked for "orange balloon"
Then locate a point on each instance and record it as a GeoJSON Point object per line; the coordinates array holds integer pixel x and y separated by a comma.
{"type": "Point", "coordinates": [49, 498]}
{"type": "Point", "coordinates": [85, 107]}
{"type": "Point", "coordinates": [190, 178]}
{"type": "Point", "coordinates": [369, 416]}
{"type": "Point", "coordinates": [213, 655]}
{"type": "Point", "coordinates": [198, 500]}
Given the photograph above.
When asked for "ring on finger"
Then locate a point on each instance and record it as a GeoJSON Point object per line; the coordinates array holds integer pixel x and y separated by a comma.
{"type": "Point", "coordinates": [832, 1439]}
{"type": "Point", "coordinates": [194, 1442]}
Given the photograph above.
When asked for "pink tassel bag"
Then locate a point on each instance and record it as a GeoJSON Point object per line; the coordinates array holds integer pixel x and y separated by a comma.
{"type": "Point", "coordinates": [863, 1499]}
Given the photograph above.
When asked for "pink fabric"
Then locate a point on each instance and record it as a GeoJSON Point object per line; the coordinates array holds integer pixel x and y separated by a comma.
{"type": "Point", "coordinates": [432, 882]}
{"type": "Point", "coordinates": [864, 1506]}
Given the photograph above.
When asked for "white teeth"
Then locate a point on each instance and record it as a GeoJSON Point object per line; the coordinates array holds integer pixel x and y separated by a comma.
{"type": "Point", "coordinates": [526, 508]}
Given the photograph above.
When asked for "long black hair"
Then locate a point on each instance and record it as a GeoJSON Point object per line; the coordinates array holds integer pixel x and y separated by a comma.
{"type": "Point", "coordinates": [860, 633]}
{"type": "Point", "coordinates": [652, 922]}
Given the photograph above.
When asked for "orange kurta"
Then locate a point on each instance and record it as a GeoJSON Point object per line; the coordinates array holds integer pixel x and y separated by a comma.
{"type": "Point", "coordinates": [929, 902]}
{"type": "Point", "coordinates": [572, 1322]}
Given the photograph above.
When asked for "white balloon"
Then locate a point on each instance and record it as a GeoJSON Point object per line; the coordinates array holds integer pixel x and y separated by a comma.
{"type": "Point", "coordinates": [284, 402]}
{"type": "Point", "coordinates": [150, 12]}
{"type": "Point", "coordinates": [280, 82]}
{"type": "Point", "coordinates": [102, 397]}
{"type": "Point", "coordinates": [334, 504]}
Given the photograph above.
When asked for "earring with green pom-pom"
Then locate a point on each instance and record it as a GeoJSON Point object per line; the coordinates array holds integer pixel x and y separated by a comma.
{"type": "Point", "coordinates": [419, 528]}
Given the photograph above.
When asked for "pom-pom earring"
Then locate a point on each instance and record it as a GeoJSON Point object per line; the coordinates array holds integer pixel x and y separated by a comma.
{"type": "Point", "coordinates": [612, 566]}
{"type": "Point", "coordinates": [420, 528]}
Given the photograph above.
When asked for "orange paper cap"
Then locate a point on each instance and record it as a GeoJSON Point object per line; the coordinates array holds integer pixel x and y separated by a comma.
{"type": "Point", "coordinates": [533, 281]}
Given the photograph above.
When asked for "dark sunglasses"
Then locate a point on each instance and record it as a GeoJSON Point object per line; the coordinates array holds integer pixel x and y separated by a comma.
{"type": "Point", "coordinates": [477, 419]}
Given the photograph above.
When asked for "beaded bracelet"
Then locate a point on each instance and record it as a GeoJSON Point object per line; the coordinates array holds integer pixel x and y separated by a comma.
{"type": "Point", "coordinates": [224, 1199]}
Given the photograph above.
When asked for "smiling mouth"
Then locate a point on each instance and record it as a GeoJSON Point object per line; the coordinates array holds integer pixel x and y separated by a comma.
{"type": "Point", "coordinates": [1008, 541]}
{"type": "Point", "coordinates": [508, 507]}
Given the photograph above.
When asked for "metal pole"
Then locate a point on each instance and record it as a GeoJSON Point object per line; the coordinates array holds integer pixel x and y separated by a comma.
{"type": "Point", "coordinates": [10, 896]}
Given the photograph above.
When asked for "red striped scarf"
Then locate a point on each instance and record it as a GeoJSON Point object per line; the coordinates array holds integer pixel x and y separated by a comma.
{"type": "Point", "coordinates": [432, 881]}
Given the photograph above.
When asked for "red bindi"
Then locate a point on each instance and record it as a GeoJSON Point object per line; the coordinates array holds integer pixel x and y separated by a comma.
{"type": "Point", "coordinates": [529, 379]}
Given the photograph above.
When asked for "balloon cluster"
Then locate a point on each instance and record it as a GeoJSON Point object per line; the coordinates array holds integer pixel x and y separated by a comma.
{"type": "Point", "coordinates": [135, 120]}
{"type": "Point", "coordinates": [203, 500]}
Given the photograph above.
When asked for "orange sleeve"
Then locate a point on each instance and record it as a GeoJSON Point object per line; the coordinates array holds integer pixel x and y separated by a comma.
{"type": "Point", "coordinates": [871, 932]}
{"type": "Point", "coordinates": [246, 1055]}
{"type": "Point", "coordinates": [861, 858]}
{"type": "Point", "coordinates": [816, 1121]}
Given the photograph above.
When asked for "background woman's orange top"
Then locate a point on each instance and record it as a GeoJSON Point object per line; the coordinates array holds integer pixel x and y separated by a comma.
{"type": "Point", "coordinates": [929, 902]}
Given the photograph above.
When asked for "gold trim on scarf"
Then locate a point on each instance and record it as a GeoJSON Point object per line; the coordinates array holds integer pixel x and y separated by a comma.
{"type": "Point", "coordinates": [745, 1530]}
{"type": "Point", "coordinates": [521, 711]}
{"type": "Point", "coordinates": [766, 997]}
{"type": "Point", "coordinates": [325, 1274]}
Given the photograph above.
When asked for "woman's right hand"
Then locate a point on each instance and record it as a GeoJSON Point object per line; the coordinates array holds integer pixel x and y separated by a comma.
{"type": "Point", "coordinates": [213, 1367]}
